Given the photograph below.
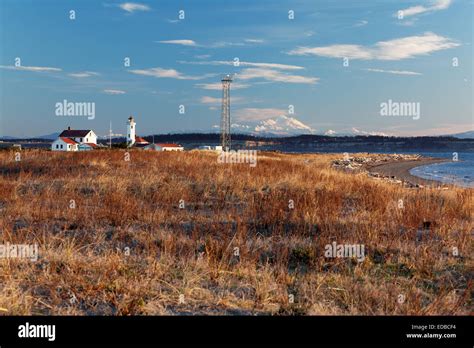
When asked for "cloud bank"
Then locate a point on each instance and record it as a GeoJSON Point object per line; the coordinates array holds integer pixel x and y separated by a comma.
{"type": "Point", "coordinates": [397, 49]}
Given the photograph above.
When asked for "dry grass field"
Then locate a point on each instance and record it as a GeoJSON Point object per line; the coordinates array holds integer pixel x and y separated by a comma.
{"type": "Point", "coordinates": [181, 234]}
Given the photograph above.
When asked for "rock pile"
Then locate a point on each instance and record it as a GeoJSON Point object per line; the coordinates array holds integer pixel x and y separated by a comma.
{"type": "Point", "coordinates": [360, 164]}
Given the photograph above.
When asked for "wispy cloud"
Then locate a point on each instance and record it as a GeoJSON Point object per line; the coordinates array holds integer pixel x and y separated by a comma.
{"type": "Point", "coordinates": [113, 91]}
{"type": "Point", "coordinates": [361, 23]}
{"type": "Point", "coordinates": [436, 5]}
{"type": "Point", "coordinates": [218, 44]}
{"type": "Point", "coordinates": [213, 100]}
{"type": "Point", "coordinates": [131, 7]}
{"type": "Point", "coordinates": [395, 72]}
{"type": "Point", "coordinates": [83, 74]}
{"type": "Point", "coordinates": [258, 114]}
{"type": "Point", "coordinates": [30, 68]}
{"type": "Point", "coordinates": [267, 71]}
{"type": "Point", "coordinates": [218, 86]}
{"type": "Point", "coordinates": [275, 76]}
{"type": "Point", "coordinates": [439, 129]}
{"type": "Point", "coordinates": [254, 40]}
{"type": "Point", "coordinates": [167, 73]}
{"type": "Point", "coordinates": [397, 49]}
{"type": "Point", "coordinates": [244, 64]}
{"type": "Point", "coordinates": [179, 42]}
{"type": "Point", "coordinates": [221, 44]}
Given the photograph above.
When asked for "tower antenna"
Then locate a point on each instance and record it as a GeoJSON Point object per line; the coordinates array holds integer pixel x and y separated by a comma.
{"type": "Point", "coordinates": [225, 115]}
{"type": "Point", "coordinates": [110, 135]}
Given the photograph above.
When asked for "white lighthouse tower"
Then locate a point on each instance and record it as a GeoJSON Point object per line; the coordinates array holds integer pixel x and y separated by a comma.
{"type": "Point", "coordinates": [130, 131]}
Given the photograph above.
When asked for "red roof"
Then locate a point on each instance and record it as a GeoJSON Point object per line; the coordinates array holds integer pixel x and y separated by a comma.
{"type": "Point", "coordinates": [68, 141]}
{"type": "Point", "coordinates": [91, 144]}
{"type": "Point", "coordinates": [168, 145]}
{"type": "Point", "coordinates": [140, 140]}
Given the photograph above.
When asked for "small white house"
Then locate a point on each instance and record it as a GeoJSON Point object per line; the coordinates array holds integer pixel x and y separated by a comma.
{"type": "Point", "coordinates": [64, 144]}
{"type": "Point", "coordinates": [75, 140]}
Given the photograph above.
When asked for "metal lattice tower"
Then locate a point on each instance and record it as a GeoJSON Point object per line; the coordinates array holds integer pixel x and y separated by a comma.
{"type": "Point", "coordinates": [225, 115]}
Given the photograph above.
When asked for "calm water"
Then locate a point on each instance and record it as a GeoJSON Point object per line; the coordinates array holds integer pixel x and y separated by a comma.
{"type": "Point", "coordinates": [460, 173]}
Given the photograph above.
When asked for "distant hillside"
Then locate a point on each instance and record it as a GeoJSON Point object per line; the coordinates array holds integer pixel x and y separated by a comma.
{"type": "Point", "coordinates": [464, 135]}
{"type": "Point", "coordinates": [47, 137]}
{"type": "Point", "coordinates": [304, 143]}
{"type": "Point", "coordinates": [319, 143]}
{"type": "Point", "coordinates": [52, 136]}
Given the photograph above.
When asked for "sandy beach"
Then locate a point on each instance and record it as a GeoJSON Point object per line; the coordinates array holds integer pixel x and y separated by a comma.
{"type": "Point", "coordinates": [401, 170]}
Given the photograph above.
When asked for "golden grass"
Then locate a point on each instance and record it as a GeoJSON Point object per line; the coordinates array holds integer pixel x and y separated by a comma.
{"type": "Point", "coordinates": [133, 205]}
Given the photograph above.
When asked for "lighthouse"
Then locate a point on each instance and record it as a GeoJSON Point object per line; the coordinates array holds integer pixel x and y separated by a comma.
{"type": "Point", "coordinates": [130, 131]}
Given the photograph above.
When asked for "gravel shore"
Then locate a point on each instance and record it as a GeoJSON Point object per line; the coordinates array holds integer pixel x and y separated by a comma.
{"type": "Point", "coordinates": [401, 170]}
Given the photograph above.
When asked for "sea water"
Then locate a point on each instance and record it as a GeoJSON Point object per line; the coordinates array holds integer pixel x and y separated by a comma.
{"type": "Point", "coordinates": [460, 172]}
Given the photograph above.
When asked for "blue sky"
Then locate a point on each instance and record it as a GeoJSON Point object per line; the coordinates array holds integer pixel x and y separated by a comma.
{"type": "Point", "coordinates": [283, 62]}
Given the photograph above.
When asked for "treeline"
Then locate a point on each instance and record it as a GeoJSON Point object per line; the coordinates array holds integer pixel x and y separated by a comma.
{"type": "Point", "coordinates": [305, 138]}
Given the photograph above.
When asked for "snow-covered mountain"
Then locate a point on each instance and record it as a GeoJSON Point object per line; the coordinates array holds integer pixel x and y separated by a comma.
{"type": "Point", "coordinates": [281, 126]}
{"type": "Point", "coordinates": [330, 132]}
{"type": "Point", "coordinates": [352, 132]}
{"type": "Point", "coordinates": [355, 131]}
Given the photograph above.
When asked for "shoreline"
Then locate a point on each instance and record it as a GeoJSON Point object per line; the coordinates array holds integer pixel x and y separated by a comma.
{"type": "Point", "coordinates": [401, 170]}
{"type": "Point", "coordinates": [392, 170]}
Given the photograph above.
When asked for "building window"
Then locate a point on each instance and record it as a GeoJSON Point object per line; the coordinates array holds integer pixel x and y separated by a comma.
{"type": "Point", "coordinates": [81, 140]}
{"type": "Point", "coordinates": [61, 146]}
{"type": "Point", "coordinates": [57, 146]}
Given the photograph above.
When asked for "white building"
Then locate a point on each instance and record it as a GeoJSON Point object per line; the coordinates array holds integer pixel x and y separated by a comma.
{"type": "Point", "coordinates": [64, 144]}
{"type": "Point", "coordinates": [75, 140]}
{"type": "Point", "coordinates": [131, 131]}
{"type": "Point", "coordinates": [164, 147]}
{"type": "Point", "coordinates": [210, 147]}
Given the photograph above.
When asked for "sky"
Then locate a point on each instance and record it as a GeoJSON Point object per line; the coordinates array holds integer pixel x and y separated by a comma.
{"type": "Point", "coordinates": [320, 66]}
